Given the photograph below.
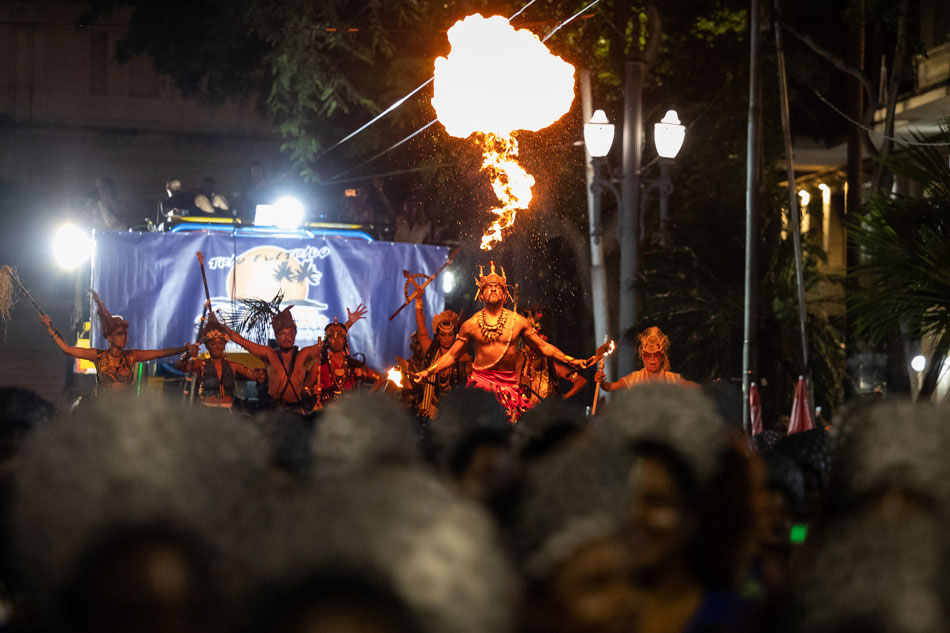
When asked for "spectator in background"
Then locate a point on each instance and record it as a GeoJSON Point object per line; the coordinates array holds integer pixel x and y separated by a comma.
{"type": "Point", "coordinates": [209, 201]}
{"type": "Point", "coordinates": [412, 225]}
{"type": "Point", "coordinates": [369, 206]}
{"type": "Point", "coordinates": [109, 211]}
{"type": "Point", "coordinates": [177, 201]}
{"type": "Point", "coordinates": [256, 191]}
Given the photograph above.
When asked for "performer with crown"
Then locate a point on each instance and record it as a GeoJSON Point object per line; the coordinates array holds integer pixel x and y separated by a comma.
{"type": "Point", "coordinates": [337, 372]}
{"type": "Point", "coordinates": [444, 329]}
{"type": "Point", "coordinates": [115, 366]}
{"type": "Point", "coordinates": [286, 366]}
{"type": "Point", "coordinates": [491, 331]}
{"type": "Point", "coordinates": [539, 376]}
{"type": "Point", "coordinates": [216, 374]}
{"type": "Point", "coordinates": [653, 345]}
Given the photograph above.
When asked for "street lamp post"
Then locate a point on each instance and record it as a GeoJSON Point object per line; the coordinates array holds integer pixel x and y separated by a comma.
{"type": "Point", "coordinates": [669, 135]}
{"type": "Point", "coordinates": [597, 133]}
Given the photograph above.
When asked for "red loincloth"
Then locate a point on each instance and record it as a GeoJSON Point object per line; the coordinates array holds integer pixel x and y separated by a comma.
{"type": "Point", "coordinates": [504, 384]}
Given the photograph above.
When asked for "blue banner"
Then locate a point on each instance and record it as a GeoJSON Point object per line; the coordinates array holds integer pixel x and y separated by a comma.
{"type": "Point", "coordinates": [153, 280]}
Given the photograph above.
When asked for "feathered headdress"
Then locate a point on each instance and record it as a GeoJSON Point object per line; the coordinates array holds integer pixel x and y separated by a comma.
{"type": "Point", "coordinates": [108, 323]}
{"type": "Point", "coordinates": [213, 328]}
{"type": "Point", "coordinates": [444, 320]}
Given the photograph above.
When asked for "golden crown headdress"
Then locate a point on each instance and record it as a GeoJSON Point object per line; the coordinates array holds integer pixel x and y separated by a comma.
{"type": "Point", "coordinates": [492, 277]}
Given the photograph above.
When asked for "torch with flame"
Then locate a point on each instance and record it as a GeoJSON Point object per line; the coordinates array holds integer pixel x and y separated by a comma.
{"type": "Point", "coordinates": [497, 80]}
{"type": "Point", "coordinates": [394, 376]}
{"type": "Point", "coordinates": [603, 352]}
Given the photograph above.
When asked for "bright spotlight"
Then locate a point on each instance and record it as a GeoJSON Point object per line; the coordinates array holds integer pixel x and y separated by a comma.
{"type": "Point", "coordinates": [286, 213]}
{"type": "Point", "coordinates": [919, 363]}
{"type": "Point", "coordinates": [72, 247]}
{"type": "Point", "coordinates": [448, 282]}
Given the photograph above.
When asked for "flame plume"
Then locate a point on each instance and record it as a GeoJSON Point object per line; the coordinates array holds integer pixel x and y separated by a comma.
{"type": "Point", "coordinates": [510, 182]}
{"type": "Point", "coordinates": [495, 81]}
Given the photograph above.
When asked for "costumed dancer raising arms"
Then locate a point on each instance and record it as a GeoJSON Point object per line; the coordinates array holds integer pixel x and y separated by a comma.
{"type": "Point", "coordinates": [654, 346]}
{"type": "Point", "coordinates": [336, 372]}
{"type": "Point", "coordinates": [286, 366]}
{"type": "Point", "coordinates": [217, 374]}
{"type": "Point", "coordinates": [444, 329]}
{"type": "Point", "coordinates": [491, 331]}
{"type": "Point", "coordinates": [115, 366]}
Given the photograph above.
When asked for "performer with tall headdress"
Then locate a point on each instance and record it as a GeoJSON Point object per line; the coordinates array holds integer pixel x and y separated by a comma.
{"type": "Point", "coordinates": [115, 366]}
{"type": "Point", "coordinates": [337, 372]}
{"type": "Point", "coordinates": [491, 331]}
{"type": "Point", "coordinates": [653, 346]}
{"type": "Point", "coordinates": [444, 330]}
{"type": "Point", "coordinates": [540, 376]}
{"type": "Point", "coordinates": [216, 375]}
{"type": "Point", "coordinates": [286, 366]}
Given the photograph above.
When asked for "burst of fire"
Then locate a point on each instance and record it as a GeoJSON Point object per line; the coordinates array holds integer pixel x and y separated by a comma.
{"type": "Point", "coordinates": [395, 376]}
{"type": "Point", "coordinates": [497, 80]}
{"type": "Point", "coordinates": [610, 350]}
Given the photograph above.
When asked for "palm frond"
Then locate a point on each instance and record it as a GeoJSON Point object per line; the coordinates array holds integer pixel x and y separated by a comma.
{"type": "Point", "coordinates": [252, 317]}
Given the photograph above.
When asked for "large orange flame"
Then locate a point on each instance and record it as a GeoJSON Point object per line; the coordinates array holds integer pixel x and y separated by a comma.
{"type": "Point", "coordinates": [497, 80]}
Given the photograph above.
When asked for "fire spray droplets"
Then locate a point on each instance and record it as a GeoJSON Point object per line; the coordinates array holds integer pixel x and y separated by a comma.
{"type": "Point", "coordinates": [497, 80]}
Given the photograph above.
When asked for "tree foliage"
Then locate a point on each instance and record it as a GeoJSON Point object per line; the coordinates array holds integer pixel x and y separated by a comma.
{"type": "Point", "coordinates": [903, 278]}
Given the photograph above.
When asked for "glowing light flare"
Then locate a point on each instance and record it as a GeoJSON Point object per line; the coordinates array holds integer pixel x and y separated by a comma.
{"type": "Point", "coordinates": [395, 376]}
{"type": "Point", "coordinates": [498, 79]}
{"type": "Point", "coordinates": [610, 350]}
{"type": "Point", "coordinates": [72, 247]}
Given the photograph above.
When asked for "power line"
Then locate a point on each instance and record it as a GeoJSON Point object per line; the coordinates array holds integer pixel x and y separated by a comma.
{"type": "Point", "coordinates": [433, 121]}
{"type": "Point", "coordinates": [567, 21]}
{"type": "Point", "coordinates": [401, 101]}
{"type": "Point", "coordinates": [876, 133]}
{"type": "Point", "coordinates": [425, 127]}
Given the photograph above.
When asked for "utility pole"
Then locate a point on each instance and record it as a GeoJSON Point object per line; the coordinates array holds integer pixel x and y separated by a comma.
{"type": "Point", "coordinates": [598, 274]}
{"type": "Point", "coordinates": [629, 207]}
{"type": "Point", "coordinates": [751, 216]}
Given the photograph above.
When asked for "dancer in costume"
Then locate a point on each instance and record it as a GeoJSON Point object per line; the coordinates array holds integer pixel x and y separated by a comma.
{"type": "Point", "coordinates": [286, 366]}
{"type": "Point", "coordinates": [444, 329]}
{"type": "Point", "coordinates": [540, 376]}
{"type": "Point", "coordinates": [653, 346]}
{"type": "Point", "coordinates": [491, 331]}
{"type": "Point", "coordinates": [337, 372]}
{"type": "Point", "coordinates": [115, 366]}
{"type": "Point", "coordinates": [217, 374]}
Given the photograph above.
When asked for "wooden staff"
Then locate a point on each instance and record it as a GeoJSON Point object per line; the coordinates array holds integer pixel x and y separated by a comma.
{"type": "Point", "coordinates": [603, 351]}
{"type": "Point", "coordinates": [204, 279]}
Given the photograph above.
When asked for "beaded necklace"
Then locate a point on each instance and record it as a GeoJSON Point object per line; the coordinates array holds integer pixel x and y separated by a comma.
{"type": "Point", "coordinates": [491, 332]}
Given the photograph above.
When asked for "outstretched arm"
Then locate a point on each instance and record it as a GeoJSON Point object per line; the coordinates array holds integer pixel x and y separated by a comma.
{"type": "Point", "coordinates": [551, 351]}
{"type": "Point", "coordinates": [144, 355]}
{"type": "Point", "coordinates": [444, 361]}
{"type": "Point", "coordinates": [577, 381]}
{"type": "Point", "coordinates": [422, 331]}
{"type": "Point", "coordinates": [84, 353]}
{"type": "Point", "coordinates": [609, 386]}
{"type": "Point", "coordinates": [186, 362]}
{"type": "Point", "coordinates": [245, 372]}
{"type": "Point", "coordinates": [261, 351]}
